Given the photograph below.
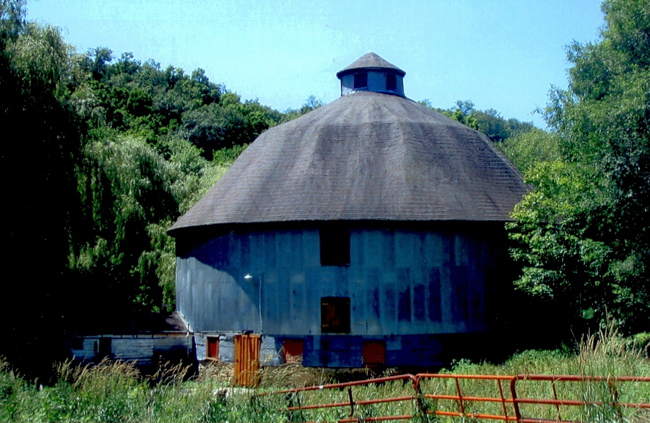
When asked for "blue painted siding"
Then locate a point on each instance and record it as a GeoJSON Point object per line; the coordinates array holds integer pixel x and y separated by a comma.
{"type": "Point", "coordinates": [401, 283]}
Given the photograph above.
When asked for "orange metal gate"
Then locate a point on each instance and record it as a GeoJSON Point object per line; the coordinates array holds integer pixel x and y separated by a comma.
{"type": "Point", "coordinates": [553, 398]}
{"type": "Point", "coordinates": [247, 359]}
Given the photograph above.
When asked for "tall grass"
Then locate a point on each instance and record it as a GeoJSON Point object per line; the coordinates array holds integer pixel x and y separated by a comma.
{"type": "Point", "coordinates": [117, 392]}
{"type": "Point", "coordinates": [605, 354]}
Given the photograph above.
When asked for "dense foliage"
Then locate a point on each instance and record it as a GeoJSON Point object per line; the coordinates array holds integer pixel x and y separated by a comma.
{"type": "Point", "coordinates": [582, 234]}
{"type": "Point", "coordinates": [106, 154]}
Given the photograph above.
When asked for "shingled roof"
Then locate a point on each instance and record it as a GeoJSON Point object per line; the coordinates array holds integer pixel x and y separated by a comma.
{"type": "Point", "coordinates": [369, 61]}
{"type": "Point", "coordinates": [365, 156]}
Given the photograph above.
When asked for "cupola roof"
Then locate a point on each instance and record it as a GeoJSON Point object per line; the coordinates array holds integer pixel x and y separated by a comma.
{"type": "Point", "coordinates": [369, 61]}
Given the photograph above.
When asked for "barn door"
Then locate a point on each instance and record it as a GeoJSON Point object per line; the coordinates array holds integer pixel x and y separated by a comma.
{"type": "Point", "coordinates": [247, 359]}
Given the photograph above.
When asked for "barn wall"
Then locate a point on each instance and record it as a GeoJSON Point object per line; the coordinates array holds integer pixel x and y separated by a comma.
{"type": "Point", "coordinates": [399, 281]}
{"type": "Point", "coordinates": [143, 348]}
{"type": "Point", "coordinates": [269, 352]}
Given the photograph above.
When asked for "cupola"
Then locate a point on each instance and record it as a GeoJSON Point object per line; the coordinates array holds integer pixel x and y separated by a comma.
{"type": "Point", "coordinates": [372, 73]}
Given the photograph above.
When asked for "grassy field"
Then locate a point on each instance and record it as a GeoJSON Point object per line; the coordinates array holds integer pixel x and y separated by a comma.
{"type": "Point", "coordinates": [116, 392]}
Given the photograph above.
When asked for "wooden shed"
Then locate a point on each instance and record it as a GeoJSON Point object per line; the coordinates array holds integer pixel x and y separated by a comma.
{"type": "Point", "coordinates": [149, 341]}
{"type": "Point", "coordinates": [366, 232]}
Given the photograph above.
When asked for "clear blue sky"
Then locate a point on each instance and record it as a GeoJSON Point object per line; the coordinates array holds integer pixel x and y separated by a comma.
{"type": "Point", "coordinates": [501, 54]}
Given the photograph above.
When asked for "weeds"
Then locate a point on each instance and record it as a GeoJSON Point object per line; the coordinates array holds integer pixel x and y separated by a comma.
{"type": "Point", "coordinates": [117, 392]}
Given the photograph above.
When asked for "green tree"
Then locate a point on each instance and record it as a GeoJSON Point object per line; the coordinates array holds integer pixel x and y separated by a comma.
{"type": "Point", "coordinates": [37, 161]}
{"type": "Point", "coordinates": [312, 103]}
{"type": "Point", "coordinates": [488, 121]}
{"type": "Point", "coordinates": [527, 149]}
{"type": "Point", "coordinates": [583, 233]}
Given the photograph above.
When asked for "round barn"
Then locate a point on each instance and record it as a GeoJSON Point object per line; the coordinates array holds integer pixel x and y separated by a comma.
{"type": "Point", "coordinates": [366, 232]}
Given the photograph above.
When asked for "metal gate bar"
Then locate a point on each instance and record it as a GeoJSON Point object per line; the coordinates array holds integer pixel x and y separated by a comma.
{"type": "Point", "coordinates": [611, 381]}
{"type": "Point", "coordinates": [351, 403]}
{"type": "Point", "coordinates": [463, 399]}
{"type": "Point", "coordinates": [419, 407]}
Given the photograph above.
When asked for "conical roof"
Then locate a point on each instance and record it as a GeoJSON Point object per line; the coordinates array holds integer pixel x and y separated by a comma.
{"type": "Point", "coordinates": [369, 61]}
{"type": "Point", "coordinates": [365, 156]}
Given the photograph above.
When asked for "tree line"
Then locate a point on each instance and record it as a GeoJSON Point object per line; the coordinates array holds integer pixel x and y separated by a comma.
{"type": "Point", "coordinates": [105, 154]}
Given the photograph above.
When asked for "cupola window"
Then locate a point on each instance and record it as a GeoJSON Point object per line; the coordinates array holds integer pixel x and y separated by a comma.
{"type": "Point", "coordinates": [361, 80]}
{"type": "Point", "coordinates": [391, 82]}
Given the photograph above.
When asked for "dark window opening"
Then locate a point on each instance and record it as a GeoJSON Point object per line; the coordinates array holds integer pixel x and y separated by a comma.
{"type": "Point", "coordinates": [334, 246]}
{"type": "Point", "coordinates": [335, 314]}
{"type": "Point", "coordinates": [104, 347]}
{"type": "Point", "coordinates": [78, 344]}
{"type": "Point", "coordinates": [212, 347]}
{"type": "Point", "coordinates": [391, 82]}
{"type": "Point", "coordinates": [360, 80]}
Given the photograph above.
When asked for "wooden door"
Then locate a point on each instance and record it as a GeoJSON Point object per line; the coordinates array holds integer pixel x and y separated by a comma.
{"type": "Point", "coordinates": [247, 359]}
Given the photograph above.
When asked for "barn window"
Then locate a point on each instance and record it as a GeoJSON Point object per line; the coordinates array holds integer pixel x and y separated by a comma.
{"type": "Point", "coordinates": [292, 350]}
{"type": "Point", "coordinates": [360, 80]}
{"type": "Point", "coordinates": [335, 314]}
{"type": "Point", "coordinates": [334, 246]}
{"type": "Point", "coordinates": [391, 82]}
{"type": "Point", "coordinates": [373, 353]}
{"type": "Point", "coordinates": [212, 347]}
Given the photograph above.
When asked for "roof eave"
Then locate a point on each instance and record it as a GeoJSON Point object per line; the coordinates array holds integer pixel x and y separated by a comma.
{"type": "Point", "coordinates": [344, 72]}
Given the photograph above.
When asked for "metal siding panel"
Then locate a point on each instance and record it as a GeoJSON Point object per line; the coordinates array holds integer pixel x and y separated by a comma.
{"type": "Point", "coordinates": [271, 303]}
{"type": "Point", "coordinates": [387, 242]}
{"type": "Point", "coordinates": [310, 248]}
{"type": "Point", "coordinates": [389, 306]}
{"type": "Point", "coordinates": [372, 250]}
{"type": "Point", "coordinates": [419, 301]}
{"type": "Point", "coordinates": [341, 288]}
{"type": "Point", "coordinates": [434, 249]}
{"type": "Point", "coordinates": [460, 245]}
{"type": "Point", "coordinates": [459, 293]}
{"type": "Point", "coordinates": [269, 250]}
{"type": "Point", "coordinates": [476, 297]}
{"type": "Point", "coordinates": [298, 304]}
{"type": "Point", "coordinates": [356, 286]}
{"type": "Point", "coordinates": [283, 250]}
{"type": "Point", "coordinates": [285, 302]}
{"type": "Point", "coordinates": [405, 248]}
{"type": "Point", "coordinates": [327, 279]}
{"type": "Point", "coordinates": [245, 250]}
{"type": "Point", "coordinates": [233, 248]}
{"type": "Point", "coordinates": [257, 251]}
{"type": "Point", "coordinates": [313, 293]}
{"type": "Point", "coordinates": [446, 298]}
{"type": "Point", "coordinates": [435, 296]}
{"type": "Point", "coordinates": [404, 296]}
{"type": "Point", "coordinates": [356, 248]}
{"type": "Point", "coordinates": [372, 301]}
